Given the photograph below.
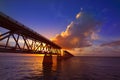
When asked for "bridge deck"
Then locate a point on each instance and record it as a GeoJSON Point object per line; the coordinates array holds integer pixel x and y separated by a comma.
{"type": "Point", "coordinates": [17, 27]}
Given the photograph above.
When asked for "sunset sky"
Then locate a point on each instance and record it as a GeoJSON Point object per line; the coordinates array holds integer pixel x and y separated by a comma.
{"type": "Point", "coordinates": [85, 27]}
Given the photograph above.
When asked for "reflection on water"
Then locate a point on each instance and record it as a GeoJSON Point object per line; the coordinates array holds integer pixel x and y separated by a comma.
{"type": "Point", "coordinates": [26, 67]}
{"type": "Point", "coordinates": [30, 67]}
{"type": "Point", "coordinates": [49, 71]}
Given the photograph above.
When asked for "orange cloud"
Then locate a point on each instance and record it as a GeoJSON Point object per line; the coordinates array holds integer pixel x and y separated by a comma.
{"type": "Point", "coordinates": [79, 33]}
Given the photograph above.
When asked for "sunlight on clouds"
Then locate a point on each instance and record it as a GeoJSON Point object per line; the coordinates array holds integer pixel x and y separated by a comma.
{"type": "Point", "coordinates": [0, 36]}
{"type": "Point", "coordinates": [64, 34]}
{"type": "Point", "coordinates": [67, 32]}
{"type": "Point", "coordinates": [94, 36]}
{"type": "Point", "coordinates": [75, 41]}
{"type": "Point", "coordinates": [78, 15]}
{"type": "Point", "coordinates": [79, 33]}
{"type": "Point", "coordinates": [86, 34]}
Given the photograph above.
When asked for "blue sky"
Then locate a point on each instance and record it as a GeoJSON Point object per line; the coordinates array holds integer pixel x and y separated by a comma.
{"type": "Point", "coordinates": [51, 17]}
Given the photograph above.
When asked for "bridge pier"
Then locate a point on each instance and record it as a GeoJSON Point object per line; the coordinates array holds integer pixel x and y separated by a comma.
{"type": "Point", "coordinates": [59, 58]}
{"type": "Point", "coordinates": [47, 59]}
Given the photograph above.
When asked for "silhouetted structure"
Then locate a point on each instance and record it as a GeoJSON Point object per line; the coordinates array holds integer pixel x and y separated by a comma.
{"type": "Point", "coordinates": [67, 55]}
{"type": "Point", "coordinates": [32, 41]}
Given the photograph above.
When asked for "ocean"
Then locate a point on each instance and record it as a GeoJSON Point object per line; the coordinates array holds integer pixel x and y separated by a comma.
{"type": "Point", "coordinates": [16, 66]}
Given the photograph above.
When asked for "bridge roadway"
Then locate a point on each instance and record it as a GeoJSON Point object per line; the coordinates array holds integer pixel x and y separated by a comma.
{"type": "Point", "coordinates": [33, 42]}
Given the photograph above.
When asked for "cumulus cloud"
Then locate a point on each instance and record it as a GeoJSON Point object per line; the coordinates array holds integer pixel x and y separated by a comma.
{"type": "Point", "coordinates": [79, 33]}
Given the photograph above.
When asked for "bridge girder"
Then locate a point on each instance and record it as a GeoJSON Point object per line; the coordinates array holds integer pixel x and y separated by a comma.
{"type": "Point", "coordinates": [32, 41]}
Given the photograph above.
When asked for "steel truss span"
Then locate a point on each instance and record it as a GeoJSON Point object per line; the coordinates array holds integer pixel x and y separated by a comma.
{"type": "Point", "coordinates": [24, 39]}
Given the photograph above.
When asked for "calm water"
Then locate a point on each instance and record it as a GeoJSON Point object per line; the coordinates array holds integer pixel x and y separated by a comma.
{"type": "Point", "coordinates": [29, 67]}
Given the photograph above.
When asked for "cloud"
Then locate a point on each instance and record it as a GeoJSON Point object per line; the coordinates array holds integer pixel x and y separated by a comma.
{"type": "Point", "coordinates": [0, 34]}
{"type": "Point", "coordinates": [78, 15]}
{"type": "Point", "coordinates": [98, 50]}
{"type": "Point", "coordinates": [112, 44]}
{"type": "Point", "coordinates": [79, 33]}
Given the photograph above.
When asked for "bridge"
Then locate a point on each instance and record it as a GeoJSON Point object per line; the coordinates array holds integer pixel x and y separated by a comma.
{"type": "Point", "coordinates": [18, 38]}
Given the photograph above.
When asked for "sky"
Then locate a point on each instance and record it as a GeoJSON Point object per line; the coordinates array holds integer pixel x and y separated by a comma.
{"type": "Point", "coordinates": [84, 27]}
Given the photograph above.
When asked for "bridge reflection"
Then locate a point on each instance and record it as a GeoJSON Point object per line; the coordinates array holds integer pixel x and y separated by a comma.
{"type": "Point", "coordinates": [48, 72]}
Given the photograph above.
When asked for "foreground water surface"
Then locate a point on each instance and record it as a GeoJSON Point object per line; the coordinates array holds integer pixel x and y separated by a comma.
{"type": "Point", "coordinates": [14, 66]}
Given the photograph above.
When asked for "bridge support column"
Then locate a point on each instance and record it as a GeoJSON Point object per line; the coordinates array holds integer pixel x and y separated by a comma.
{"type": "Point", "coordinates": [59, 58]}
{"type": "Point", "coordinates": [47, 59]}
